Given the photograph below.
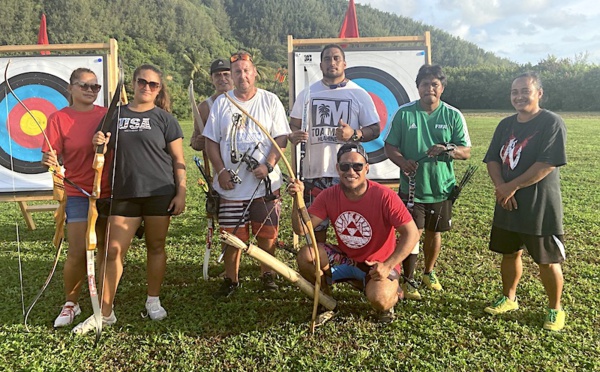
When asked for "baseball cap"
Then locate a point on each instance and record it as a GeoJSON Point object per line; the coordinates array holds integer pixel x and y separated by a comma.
{"type": "Point", "coordinates": [352, 147]}
{"type": "Point", "coordinates": [220, 64]}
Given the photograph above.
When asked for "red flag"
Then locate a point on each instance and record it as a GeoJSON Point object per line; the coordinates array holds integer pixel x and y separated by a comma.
{"type": "Point", "coordinates": [350, 25]}
{"type": "Point", "coordinates": [43, 35]}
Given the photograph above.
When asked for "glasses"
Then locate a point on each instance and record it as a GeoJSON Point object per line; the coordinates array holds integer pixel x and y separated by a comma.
{"type": "Point", "coordinates": [357, 167]}
{"type": "Point", "coordinates": [335, 86]}
{"type": "Point", "coordinates": [240, 57]}
{"type": "Point", "coordinates": [95, 88]}
{"type": "Point", "coordinates": [153, 85]}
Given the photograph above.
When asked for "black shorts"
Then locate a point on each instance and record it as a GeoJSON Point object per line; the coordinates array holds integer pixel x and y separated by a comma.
{"type": "Point", "coordinates": [436, 217]}
{"type": "Point", "coordinates": [544, 249]}
{"type": "Point", "coordinates": [138, 207]}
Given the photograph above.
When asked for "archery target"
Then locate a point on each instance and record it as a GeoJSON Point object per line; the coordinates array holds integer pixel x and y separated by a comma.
{"type": "Point", "coordinates": [389, 78]}
{"type": "Point", "coordinates": [41, 84]}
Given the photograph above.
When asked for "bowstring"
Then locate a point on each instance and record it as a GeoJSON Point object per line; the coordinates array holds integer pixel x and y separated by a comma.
{"type": "Point", "coordinates": [110, 208]}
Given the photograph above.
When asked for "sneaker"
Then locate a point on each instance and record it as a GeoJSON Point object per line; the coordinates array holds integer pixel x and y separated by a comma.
{"type": "Point", "coordinates": [409, 287]}
{"type": "Point", "coordinates": [69, 311]}
{"type": "Point", "coordinates": [155, 311]}
{"type": "Point", "coordinates": [90, 324]}
{"type": "Point", "coordinates": [502, 305]}
{"type": "Point", "coordinates": [386, 316]}
{"type": "Point", "coordinates": [431, 281]}
{"type": "Point", "coordinates": [555, 320]}
{"type": "Point", "coordinates": [227, 288]}
{"type": "Point", "coordinates": [324, 315]}
{"type": "Point", "coordinates": [268, 282]}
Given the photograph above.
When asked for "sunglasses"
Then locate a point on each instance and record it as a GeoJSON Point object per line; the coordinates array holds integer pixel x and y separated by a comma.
{"type": "Point", "coordinates": [335, 86]}
{"type": "Point", "coordinates": [95, 88]}
{"type": "Point", "coordinates": [153, 85]}
{"type": "Point", "coordinates": [240, 57]}
{"type": "Point", "coordinates": [357, 167]}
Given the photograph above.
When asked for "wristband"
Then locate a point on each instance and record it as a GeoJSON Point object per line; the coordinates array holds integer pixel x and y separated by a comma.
{"type": "Point", "coordinates": [269, 167]}
{"type": "Point", "coordinates": [221, 171]}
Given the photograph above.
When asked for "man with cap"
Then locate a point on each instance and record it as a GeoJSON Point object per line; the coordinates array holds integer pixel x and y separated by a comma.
{"type": "Point", "coordinates": [339, 111]}
{"type": "Point", "coordinates": [220, 76]}
{"type": "Point", "coordinates": [366, 217]}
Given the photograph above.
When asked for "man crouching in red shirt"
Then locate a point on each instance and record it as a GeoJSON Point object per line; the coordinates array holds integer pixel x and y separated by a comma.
{"type": "Point", "coordinates": [365, 216]}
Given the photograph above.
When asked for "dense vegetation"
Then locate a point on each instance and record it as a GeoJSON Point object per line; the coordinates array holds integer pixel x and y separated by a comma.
{"type": "Point", "coordinates": [183, 36]}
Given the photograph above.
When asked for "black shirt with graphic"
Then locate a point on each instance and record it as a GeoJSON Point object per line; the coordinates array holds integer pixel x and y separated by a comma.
{"type": "Point", "coordinates": [517, 146]}
{"type": "Point", "coordinates": [144, 166]}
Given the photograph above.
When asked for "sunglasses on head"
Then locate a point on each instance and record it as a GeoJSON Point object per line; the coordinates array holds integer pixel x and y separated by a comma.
{"type": "Point", "coordinates": [153, 85]}
{"type": "Point", "coordinates": [95, 88]}
{"type": "Point", "coordinates": [240, 57]}
{"type": "Point", "coordinates": [357, 167]}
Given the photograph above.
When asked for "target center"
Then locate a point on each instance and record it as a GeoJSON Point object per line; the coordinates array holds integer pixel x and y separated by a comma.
{"type": "Point", "coordinates": [28, 123]}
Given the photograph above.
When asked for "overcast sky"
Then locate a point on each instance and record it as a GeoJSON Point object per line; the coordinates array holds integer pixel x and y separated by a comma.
{"type": "Point", "coordinates": [520, 30]}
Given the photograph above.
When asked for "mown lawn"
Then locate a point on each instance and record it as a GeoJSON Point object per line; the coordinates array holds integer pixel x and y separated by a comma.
{"type": "Point", "coordinates": [269, 331]}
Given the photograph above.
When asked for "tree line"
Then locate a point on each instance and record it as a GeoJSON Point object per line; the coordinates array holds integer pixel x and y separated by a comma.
{"type": "Point", "coordinates": [183, 36]}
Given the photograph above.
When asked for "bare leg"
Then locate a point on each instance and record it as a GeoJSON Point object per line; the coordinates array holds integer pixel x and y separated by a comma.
{"type": "Point", "coordinates": [511, 269]}
{"type": "Point", "coordinates": [74, 272]}
{"type": "Point", "coordinates": [306, 266]}
{"type": "Point", "coordinates": [382, 294]}
{"type": "Point", "coordinates": [431, 249]}
{"type": "Point", "coordinates": [120, 234]}
{"type": "Point", "coordinates": [552, 279]}
{"type": "Point", "coordinates": [232, 263]}
{"type": "Point", "coordinates": [267, 245]}
{"type": "Point", "coordinates": [156, 235]}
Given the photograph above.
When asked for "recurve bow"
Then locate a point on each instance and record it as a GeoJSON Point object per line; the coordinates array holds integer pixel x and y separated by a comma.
{"type": "Point", "coordinates": [58, 195]}
{"type": "Point", "coordinates": [299, 199]}
{"type": "Point", "coordinates": [91, 240]}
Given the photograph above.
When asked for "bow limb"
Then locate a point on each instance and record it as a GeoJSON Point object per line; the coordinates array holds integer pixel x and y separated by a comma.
{"type": "Point", "coordinates": [301, 209]}
{"type": "Point", "coordinates": [91, 241]}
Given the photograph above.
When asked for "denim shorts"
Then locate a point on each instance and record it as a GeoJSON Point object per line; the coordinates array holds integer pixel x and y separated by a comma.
{"type": "Point", "coordinates": [77, 208]}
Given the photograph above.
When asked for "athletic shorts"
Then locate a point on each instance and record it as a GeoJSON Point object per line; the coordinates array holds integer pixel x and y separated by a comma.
{"type": "Point", "coordinates": [262, 216]}
{"type": "Point", "coordinates": [343, 268]}
{"type": "Point", "coordinates": [436, 217]}
{"type": "Point", "coordinates": [139, 207]}
{"type": "Point", "coordinates": [544, 249]}
{"type": "Point", "coordinates": [312, 188]}
{"type": "Point", "coordinates": [78, 206]}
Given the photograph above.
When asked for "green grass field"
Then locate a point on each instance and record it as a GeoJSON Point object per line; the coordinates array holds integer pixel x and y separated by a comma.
{"type": "Point", "coordinates": [261, 331]}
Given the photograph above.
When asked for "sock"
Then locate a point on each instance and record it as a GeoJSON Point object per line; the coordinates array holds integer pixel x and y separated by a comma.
{"type": "Point", "coordinates": [152, 299]}
{"type": "Point", "coordinates": [408, 266]}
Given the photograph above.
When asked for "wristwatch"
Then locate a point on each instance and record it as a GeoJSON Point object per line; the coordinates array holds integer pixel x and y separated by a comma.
{"type": "Point", "coordinates": [269, 167]}
{"type": "Point", "coordinates": [449, 146]}
{"type": "Point", "coordinates": [355, 136]}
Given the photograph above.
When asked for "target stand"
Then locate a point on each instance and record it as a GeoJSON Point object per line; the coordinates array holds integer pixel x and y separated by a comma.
{"type": "Point", "coordinates": [41, 83]}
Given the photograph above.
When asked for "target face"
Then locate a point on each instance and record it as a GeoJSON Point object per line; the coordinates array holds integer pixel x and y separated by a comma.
{"type": "Point", "coordinates": [388, 77]}
{"type": "Point", "coordinates": [21, 138]}
{"type": "Point", "coordinates": [41, 83]}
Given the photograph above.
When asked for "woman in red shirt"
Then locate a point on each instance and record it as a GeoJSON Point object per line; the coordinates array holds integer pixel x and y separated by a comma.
{"type": "Point", "coordinates": [70, 132]}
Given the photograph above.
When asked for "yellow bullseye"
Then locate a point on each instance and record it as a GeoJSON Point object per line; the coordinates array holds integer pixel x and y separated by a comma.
{"type": "Point", "coordinates": [28, 125]}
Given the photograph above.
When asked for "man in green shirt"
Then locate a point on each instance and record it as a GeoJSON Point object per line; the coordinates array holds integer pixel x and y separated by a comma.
{"type": "Point", "coordinates": [425, 138]}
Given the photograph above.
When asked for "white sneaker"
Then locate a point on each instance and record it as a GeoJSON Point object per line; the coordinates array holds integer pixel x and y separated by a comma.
{"type": "Point", "coordinates": [69, 311]}
{"type": "Point", "coordinates": [155, 311]}
{"type": "Point", "coordinates": [90, 324]}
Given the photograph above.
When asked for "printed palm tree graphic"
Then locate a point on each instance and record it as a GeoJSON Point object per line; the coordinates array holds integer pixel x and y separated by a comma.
{"type": "Point", "coordinates": [324, 112]}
